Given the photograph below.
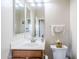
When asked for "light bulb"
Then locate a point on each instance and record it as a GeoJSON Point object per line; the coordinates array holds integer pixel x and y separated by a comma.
{"type": "Point", "coordinates": [33, 4]}
{"type": "Point", "coordinates": [16, 6]}
{"type": "Point", "coordinates": [17, 1]}
{"type": "Point", "coordinates": [39, 5]}
{"type": "Point", "coordinates": [38, 1]}
{"type": "Point", "coordinates": [46, 0]}
{"type": "Point", "coordinates": [31, 1]}
{"type": "Point", "coordinates": [21, 5]}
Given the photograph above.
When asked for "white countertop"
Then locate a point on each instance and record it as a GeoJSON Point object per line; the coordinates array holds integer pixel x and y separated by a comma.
{"type": "Point", "coordinates": [21, 43]}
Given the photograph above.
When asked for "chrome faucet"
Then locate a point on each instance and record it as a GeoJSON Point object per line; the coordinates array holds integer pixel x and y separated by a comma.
{"type": "Point", "coordinates": [33, 38]}
{"type": "Point", "coordinates": [42, 39]}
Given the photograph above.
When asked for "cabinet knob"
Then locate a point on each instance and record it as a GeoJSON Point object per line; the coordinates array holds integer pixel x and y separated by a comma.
{"type": "Point", "coordinates": [27, 58]}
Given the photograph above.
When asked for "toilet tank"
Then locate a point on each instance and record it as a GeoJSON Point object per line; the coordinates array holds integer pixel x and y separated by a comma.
{"type": "Point", "coordinates": [59, 53]}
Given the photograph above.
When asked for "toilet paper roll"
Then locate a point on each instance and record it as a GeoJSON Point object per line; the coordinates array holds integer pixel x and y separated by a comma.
{"type": "Point", "coordinates": [46, 57]}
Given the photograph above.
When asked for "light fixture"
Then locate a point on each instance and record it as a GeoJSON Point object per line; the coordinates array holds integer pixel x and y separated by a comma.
{"type": "Point", "coordinates": [39, 4]}
{"type": "Point", "coordinates": [21, 5]}
{"type": "Point", "coordinates": [38, 1]}
{"type": "Point", "coordinates": [33, 4]}
{"type": "Point", "coordinates": [16, 6]}
{"type": "Point", "coordinates": [46, 0]}
{"type": "Point", "coordinates": [30, 1]}
{"type": "Point", "coordinates": [17, 1]}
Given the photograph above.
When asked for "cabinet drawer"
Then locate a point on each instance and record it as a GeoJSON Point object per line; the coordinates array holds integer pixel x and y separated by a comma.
{"type": "Point", "coordinates": [18, 58]}
{"type": "Point", "coordinates": [35, 58]}
{"type": "Point", "coordinates": [27, 53]}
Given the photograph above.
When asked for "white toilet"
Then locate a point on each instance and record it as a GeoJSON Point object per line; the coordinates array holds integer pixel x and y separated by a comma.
{"type": "Point", "coordinates": [59, 53]}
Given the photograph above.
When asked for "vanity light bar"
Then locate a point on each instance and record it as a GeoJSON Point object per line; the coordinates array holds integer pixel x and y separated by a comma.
{"type": "Point", "coordinates": [35, 1]}
{"type": "Point", "coordinates": [39, 4]}
{"type": "Point", "coordinates": [33, 4]}
{"type": "Point", "coordinates": [18, 3]}
{"type": "Point", "coordinates": [38, 1]}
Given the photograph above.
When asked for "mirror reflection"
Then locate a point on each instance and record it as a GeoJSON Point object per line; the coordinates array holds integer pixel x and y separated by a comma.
{"type": "Point", "coordinates": [19, 17]}
{"type": "Point", "coordinates": [29, 18]}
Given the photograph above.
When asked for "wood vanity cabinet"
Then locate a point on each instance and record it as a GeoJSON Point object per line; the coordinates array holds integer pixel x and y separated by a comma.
{"type": "Point", "coordinates": [18, 58]}
{"type": "Point", "coordinates": [27, 54]}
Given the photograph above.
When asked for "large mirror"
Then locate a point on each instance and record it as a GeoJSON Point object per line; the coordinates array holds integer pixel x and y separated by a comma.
{"type": "Point", "coordinates": [29, 18]}
{"type": "Point", "coordinates": [19, 17]}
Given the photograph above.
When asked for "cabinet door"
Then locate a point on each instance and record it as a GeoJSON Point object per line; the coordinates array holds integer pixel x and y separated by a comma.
{"type": "Point", "coordinates": [18, 58]}
{"type": "Point", "coordinates": [35, 58]}
{"type": "Point", "coordinates": [22, 53]}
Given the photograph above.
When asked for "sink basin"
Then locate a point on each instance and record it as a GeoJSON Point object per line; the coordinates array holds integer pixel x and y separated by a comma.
{"type": "Point", "coordinates": [31, 44]}
{"type": "Point", "coordinates": [27, 44]}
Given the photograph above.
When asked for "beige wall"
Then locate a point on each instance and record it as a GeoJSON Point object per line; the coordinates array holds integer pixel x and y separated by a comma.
{"type": "Point", "coordinates": [6, 27]}
{"type": "Point", "coordinates": [57, 12]}
{"type": "Point", "coordinates": [40, 12]}
{"type": "Point", "coordinates": [73, 24]}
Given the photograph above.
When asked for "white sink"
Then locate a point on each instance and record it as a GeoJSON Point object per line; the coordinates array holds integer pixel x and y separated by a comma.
{"type": "Point", "coordinates": [31, 44]}
{"type": "Point", "coordinates": [21, 42]}
{"type": "Point", "coordinates": [27, 44]}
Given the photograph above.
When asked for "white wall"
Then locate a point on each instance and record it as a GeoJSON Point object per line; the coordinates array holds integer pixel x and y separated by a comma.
{"type": "Point", "coordinates": [73, 24]}
{"type": "Point", "coordinates": [57, 12]}
{"type": "Point", "coordinates": [6, 27]}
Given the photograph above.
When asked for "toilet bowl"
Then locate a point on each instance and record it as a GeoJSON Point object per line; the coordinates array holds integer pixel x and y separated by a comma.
{"type": "Point", "coordinates": [59, 53]}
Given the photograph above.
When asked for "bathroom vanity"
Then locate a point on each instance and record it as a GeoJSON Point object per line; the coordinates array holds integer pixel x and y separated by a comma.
{"type": "Point", "coordinates": [28, 23]}
{"type": "Point", "coordinates": [25, 49]}
{"type": "Point", "coordinates": [30, 53]}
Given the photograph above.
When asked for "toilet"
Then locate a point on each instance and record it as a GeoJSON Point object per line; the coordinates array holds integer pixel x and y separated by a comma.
{"type": "Point", "coordinates": [59, 53]}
